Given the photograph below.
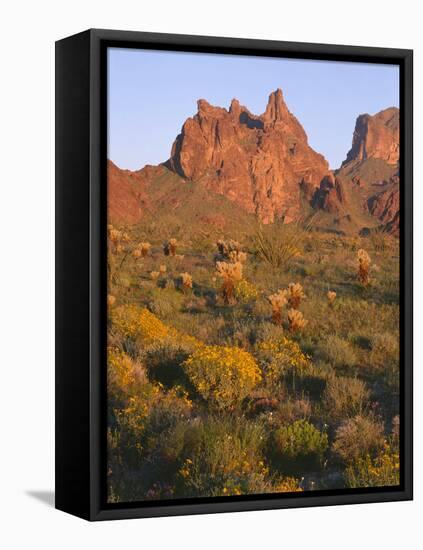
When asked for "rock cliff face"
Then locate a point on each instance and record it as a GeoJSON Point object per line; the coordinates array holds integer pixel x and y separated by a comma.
{"type": "Point", "coordinates": [262, 163]}
{"type": "Point", "coordinates": [330, 196]}
{"type": "Point", "coordinates": [385, 206]}
{"type": "Point", "coordinates": [376, 137]}
{"type": "Point", "coordinates": [372, 164]}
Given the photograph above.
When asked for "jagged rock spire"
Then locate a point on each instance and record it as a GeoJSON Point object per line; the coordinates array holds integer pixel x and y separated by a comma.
{"type": "Point", "coordinates": [276, 109]}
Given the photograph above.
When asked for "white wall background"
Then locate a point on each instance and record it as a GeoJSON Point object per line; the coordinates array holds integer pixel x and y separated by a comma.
{"type": "Point", "coordinates": [28, 31]}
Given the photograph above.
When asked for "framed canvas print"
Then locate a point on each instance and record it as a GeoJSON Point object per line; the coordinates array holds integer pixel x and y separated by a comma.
{"type": "Point", "coordinates": [234, 274]}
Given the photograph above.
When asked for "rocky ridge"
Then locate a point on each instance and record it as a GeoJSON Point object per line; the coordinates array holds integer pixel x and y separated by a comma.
{"type": "Point", "coordinates": [264, 165]}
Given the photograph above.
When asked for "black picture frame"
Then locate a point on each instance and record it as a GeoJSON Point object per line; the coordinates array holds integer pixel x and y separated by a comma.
{"type": "Point", "coordinates": [81, 187]}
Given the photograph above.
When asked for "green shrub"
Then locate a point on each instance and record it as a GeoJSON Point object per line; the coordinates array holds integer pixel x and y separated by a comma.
{"type": "Point", "coordinates": [143, 419]}
{"type": "Point", "coordinates": [246, 292]}
{"type": "Point", "coordinates": [223, 457]}
{"type": "Point", "coordinates": [299, 445]}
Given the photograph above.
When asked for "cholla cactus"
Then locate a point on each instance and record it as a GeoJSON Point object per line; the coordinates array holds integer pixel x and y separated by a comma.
{"type": "Point", "coordinates": [278, 301]}
{"type": "Point", "coordinates": [115, 237]}
{"type": "Point", "coordinates": [226, 247]}
{"type": "Point", "coordinates": [296, 320]}
{"type": "Point", "coordinates": [364, 261]}
{"type": "Point", "coordinates": [114, 234]}
{"type": "Point", "coordinates": [155, 275]}
{"type": "Point", "coordinates": [111, 300]}
{"type": "Point", "coordinates": [295, 295]}
{"type": "Point", "coordinates": [230, 273]}
{"type": "Point", "coordinates": [331, 295]}
{"type": "Point", "coordinates": [162, 269]}
{"type": "Point", "coordinates": [136, 253]}
{"type": "Point", "coordinates": [169, 247]}
{"type": "Point", "coordinates": [221, 246]}
{"type": "Point", "coordinates": [237, 256]}
{"type": "Point", "coordinates": [145, 248]}
{"type": "Point", "coordinates": [172, 246]}
{"type": "Point", "coordinates": [186, 281]}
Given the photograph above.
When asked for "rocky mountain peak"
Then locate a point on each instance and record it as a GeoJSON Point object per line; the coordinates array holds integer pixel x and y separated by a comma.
{"type": "Point", "coordinates": [257, 161]}
{"type": "Point", "coordinates": [276, 109]}
{"type": "Point", "coordinates": [376, 136]}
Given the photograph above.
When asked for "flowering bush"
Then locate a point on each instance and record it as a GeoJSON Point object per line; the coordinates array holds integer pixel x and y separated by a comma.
{"type": "Point", "coordinates": [281, 356]}
{"type": "Point", "coordinates": [380, 471]}
{"type": "Point", "coordinates": [143, 417]}
{"type": "Point", "coordinates": [140, 324]}
{"type": "Point", "coordinates": [222, 375]}
{"type": "Point", "coordinates": [287, 485]}
{"type": "Point", "coordinates": [120, 370]}
{"type": "Point", "coordinates": [134, 322]}
{"type": "Point", "coordinates": [245, 291]}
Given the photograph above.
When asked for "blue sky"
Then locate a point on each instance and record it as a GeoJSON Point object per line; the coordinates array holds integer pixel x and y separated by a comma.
{"type": "Point", "coordinates": [152, 93]}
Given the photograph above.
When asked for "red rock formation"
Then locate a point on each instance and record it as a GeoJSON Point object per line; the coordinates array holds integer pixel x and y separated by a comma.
{"type": "Point", "coordinates": [264, 165]}
{"type": "Point", "coordinates": [260, 162]}
{"type": "Point", "coordinates": [386, 207]}
{"type": "Point", "coordinates": [330, 196]}
{"type": "Point", "coordinates": [376, 137]}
